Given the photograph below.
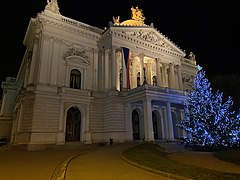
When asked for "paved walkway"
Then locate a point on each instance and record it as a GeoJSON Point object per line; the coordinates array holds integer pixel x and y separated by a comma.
{"type": "Point", "coordinates": [32, 165]}
{"type": "Point", "coordinates": [94, 163]}
{"type": "Point", "coordinates": [106, 164]}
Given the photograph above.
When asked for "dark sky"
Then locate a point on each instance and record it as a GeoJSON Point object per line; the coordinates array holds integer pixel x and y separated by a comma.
{"type": "Point", "coordinates": [209, 28]}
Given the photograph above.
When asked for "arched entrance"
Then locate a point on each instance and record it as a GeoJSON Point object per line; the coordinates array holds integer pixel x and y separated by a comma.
{"type": "Point", "coordinates": [157, 125]}
{"type": "Point", "coordinates": [135, 125]}
{"type": "Point", "coordinates": [73, 125]}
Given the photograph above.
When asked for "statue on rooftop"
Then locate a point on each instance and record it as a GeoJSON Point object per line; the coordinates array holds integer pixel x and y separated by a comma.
{"type": "Point", "coordinates": [137, 14]}
{"type": "Point", "coordinates": [52, 5]}
{"type": "Point", "coordinates": [137, 18]}
{"type": "Point", "coordinates": [116, 20]}
{"type": "Point", "coordinates": [191, 56]}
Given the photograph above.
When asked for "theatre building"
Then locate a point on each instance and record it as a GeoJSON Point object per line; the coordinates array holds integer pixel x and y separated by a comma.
{"type": "Point", "coordinates": [80, 83]}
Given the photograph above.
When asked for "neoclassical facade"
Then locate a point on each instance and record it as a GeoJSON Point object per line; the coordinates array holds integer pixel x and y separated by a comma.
{"type": "Point", "coordinates": [77, 84]}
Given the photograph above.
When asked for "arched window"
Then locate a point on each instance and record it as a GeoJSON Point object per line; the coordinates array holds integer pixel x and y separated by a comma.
{"type": "Point", "coordinates": [138, 79]}
{"type": "Point", "coordinates": [75, 79]}
{"type": "Point", "coordinates": [135, 125]}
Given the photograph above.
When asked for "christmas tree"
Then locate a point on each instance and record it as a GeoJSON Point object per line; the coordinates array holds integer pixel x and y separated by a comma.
{"type": "Point", "coordinates": [209, 122]}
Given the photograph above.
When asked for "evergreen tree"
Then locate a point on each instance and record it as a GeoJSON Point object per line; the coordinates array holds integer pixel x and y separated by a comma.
{"type": "Point", "coordinates": [208, 121]}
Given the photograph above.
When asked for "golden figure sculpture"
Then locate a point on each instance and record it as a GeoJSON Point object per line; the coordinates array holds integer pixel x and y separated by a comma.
{"type": "Point", "coordinates": [137, 18]}
{"type": "Point", "coordinates": [137, 14]}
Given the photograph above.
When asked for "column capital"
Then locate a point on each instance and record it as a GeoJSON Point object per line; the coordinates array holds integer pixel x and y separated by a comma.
{"type": "Point", "coordinates": [95, 50]}
{"type": "Point", "coordinates": [107, 51]}
{"type": "Point", "coordinates": [141, 55]}
{"type": "Point", "coordinates": [114, 47]}
{"type": "Point", "coordinates": [178, 66]}
{"type": "Point", "coordinates": [147, 99]}
{"type": "Point", "coordinates": [158, 60]}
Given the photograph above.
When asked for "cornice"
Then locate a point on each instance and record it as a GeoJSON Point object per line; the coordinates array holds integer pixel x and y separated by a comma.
{"type": "Point", "coordinates": [188, 63]}
{"type": "Point", "coordinates": [70, 25]}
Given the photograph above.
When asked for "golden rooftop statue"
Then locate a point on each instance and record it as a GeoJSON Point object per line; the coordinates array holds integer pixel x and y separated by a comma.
{"type": "Point", "coordinates": [137, 18]}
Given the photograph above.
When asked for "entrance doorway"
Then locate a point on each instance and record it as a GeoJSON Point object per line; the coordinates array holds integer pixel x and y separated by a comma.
{"type": "Point", "coordinates": [73, 125]}
{"type": "Point", "coordinates": [135, 125]}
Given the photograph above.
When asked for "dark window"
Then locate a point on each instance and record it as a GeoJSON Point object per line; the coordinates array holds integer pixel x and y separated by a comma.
{"type": "Point", "coordinates": [75, 79]}
{"type": "Point", "coordinates": [138, 79]}
{"type": "Point", "coordinates": [121, 79]}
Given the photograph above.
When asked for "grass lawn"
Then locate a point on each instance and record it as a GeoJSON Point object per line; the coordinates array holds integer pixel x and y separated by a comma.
{"type": "Point", "coordinates": [153, 156]}
{"type": "Point", "coordinates": [232, 156]}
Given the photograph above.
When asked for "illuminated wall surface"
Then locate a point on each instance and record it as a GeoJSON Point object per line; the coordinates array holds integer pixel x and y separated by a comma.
{"type": "Point", "coordinates": [77, 83]}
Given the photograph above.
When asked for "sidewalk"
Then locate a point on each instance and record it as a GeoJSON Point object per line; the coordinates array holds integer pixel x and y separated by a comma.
{"type": "Point", "coordinates": [18, 164]}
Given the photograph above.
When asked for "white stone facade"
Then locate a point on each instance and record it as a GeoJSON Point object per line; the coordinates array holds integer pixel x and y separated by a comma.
{"type": "Point", "coordinates": [72, 84]}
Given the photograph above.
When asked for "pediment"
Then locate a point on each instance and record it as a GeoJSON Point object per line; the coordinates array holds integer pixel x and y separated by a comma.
{"type": "Point", "coordinates": [149, 35]}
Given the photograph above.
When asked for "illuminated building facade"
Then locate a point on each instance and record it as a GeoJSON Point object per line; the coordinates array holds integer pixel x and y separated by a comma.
{"type": "Point", "coordinates": [79, 83]}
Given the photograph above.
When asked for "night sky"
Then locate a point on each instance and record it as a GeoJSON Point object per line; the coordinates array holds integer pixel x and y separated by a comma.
{"type": "Point", "coordinates": [210, 29]}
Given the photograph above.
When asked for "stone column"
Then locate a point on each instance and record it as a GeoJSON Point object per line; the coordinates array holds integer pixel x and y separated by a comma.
{"type": "Point", "coordinates": [124, 74]}
{"type": "Point", "coordinates": [159, 82]}
{"type": "Point", "coordinates": [141, 56]}
{"type": "Point", "coordinates": [149, 73]}
{"type": "Point", "coordinates": [171, 76]}
{"type": "Point", "coordinates": [128, 121]}
{"type": "Point", "coordinates": [179, 77]}
{"type": "Point", "coordinates": [133, 74]}
{"type": "Point", "coordinates": [106, 72]}
{"type": "Point", "coordinates": [118, 67]}
{"type": "Point", "coordinates": [148, 125]}
{"type": "Point", "coordinates": [169, 121]}
{"type": "Point", "coordinates": [164, 75]}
